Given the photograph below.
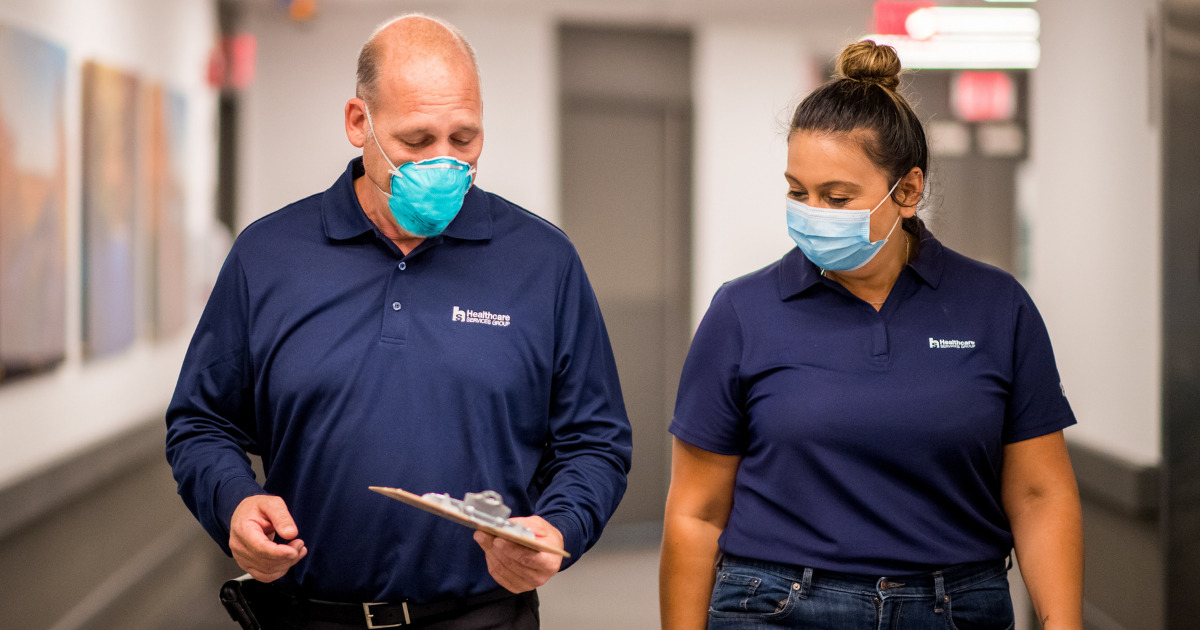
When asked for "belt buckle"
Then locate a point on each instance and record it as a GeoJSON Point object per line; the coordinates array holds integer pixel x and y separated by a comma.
{"type": "Point", "coordinates": [371, 618]}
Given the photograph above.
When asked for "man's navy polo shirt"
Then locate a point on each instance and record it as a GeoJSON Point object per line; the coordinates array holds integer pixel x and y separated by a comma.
{"type": "Point", "coordinates": [871, 442]}
{"type": "Point", "coordinates": [478, 361]}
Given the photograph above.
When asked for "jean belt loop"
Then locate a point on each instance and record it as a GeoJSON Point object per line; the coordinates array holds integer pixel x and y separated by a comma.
{"type": "Point", "coordinates": [806, 583]}
{"type": "Point", "coordinates": [1008, 562]}
{"type": "Point", "coordinates": [939, 590]}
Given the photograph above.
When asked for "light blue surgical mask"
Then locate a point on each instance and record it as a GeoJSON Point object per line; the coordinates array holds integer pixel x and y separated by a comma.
{"type": "Point", "coordinates": [425, 195]}
{"type": "Point", "coordinates": [835, 240]}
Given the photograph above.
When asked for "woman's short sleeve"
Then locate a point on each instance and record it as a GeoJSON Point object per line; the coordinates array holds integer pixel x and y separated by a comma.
{"type": "Point", "coordinates": [710, 406]}
{"type": "Point", "coordinates": [1038, 404]}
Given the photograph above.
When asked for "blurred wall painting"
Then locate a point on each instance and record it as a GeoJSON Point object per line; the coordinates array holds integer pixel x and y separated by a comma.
{"type": "Point", "coordinates": [110, 202]}
{"type": "Point", "coordinates": [163, 130]}
{"type": "Point", "coordinates": [33, 204]}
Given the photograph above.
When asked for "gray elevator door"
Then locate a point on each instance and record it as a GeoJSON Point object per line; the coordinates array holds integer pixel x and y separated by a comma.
{"type": "Point", "coordinates": [625, 179]}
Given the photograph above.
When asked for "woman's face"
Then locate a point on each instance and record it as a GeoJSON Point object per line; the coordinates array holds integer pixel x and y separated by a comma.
{"type": "Point", "coordinates": [827, 170]}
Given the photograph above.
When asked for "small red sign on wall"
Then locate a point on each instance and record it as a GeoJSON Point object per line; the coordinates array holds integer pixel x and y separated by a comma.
{"type": "Point", "coordinates": [890, 15]}
{"type": "Point", "coordinates": [231, 64]}
{"type": "Point", "coordinates": [979, 95]}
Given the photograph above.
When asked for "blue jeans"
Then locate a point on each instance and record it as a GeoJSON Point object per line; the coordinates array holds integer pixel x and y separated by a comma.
{"type": "Point", "coordinates": [753, 594]}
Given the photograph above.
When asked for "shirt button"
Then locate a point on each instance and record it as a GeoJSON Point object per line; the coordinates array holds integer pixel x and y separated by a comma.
{"type": "Point", "coordinates": [402, 265]}
{"type": "Point", "coordinates": [395, 306]}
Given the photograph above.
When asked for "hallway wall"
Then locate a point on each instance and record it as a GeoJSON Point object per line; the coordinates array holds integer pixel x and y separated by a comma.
{"type": "Point", "coordinates": [92, 533]}
{"type": "Point", "coordinates": [49, 418]}
{"type": "Point", "coordinates": [748, 79]}
{"type": "Point", "coordinates": [1094, 224]}
{"type": "Point", "coordinates": [1094, 251]}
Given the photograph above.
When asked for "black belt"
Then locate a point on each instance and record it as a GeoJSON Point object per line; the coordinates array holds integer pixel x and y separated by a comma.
{"type": "Point", "coordinates": [387, 615]}
{"type": "Point", "coordinates": [267, 601]}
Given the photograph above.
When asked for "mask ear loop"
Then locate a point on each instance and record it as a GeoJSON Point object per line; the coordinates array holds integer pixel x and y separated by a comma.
{"type": "Point", "coordinates": [889, 194]}
{"type": "Point", "coordinates": [885, 197]}
{"type": "Point", "coordinates": [394, 170]}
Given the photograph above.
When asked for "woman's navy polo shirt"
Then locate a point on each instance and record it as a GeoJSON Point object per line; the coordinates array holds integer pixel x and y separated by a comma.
{"type": "Point", "coordinates": [871, 442]}
{"type": "Point", "coordinates": [477, 361]}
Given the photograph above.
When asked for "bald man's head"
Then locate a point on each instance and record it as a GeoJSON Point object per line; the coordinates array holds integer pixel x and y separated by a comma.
{"type": "Point", "coordinates": [418, 98]}
{"type": "Point", "coordinates": [410, 39]}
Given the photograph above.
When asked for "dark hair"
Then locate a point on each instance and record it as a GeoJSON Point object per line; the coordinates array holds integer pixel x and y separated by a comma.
{"type": "Point", "coordinates": [862, 97]}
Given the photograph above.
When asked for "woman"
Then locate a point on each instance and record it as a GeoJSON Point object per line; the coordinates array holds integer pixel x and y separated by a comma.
{"type": "Point", "coordinates": [865, 428]}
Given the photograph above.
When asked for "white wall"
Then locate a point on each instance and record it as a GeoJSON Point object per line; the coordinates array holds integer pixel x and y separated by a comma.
{"type": "Point", "coordinates": [47, 418]}
{"type": "Point", "coordinates": [1095, 221]}
{"type": "Point", "coordinates": [294, 142]}
{"type": "Point", "coordinates": [746, 77]}
{"type": "Point", "coordinates": [291, 137]}
{"type": "Point", "coordinates": [747, 81]}
{"type": "Point", "coordinates": [518, 59]}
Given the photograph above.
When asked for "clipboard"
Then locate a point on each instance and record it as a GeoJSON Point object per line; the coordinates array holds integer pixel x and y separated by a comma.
{"type": "Point", "coordinates": [418, 501]}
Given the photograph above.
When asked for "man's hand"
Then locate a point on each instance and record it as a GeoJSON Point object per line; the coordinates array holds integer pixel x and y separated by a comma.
{"type": "Point", "coordinates": [252, 531]}
{"type": "Point", "coordinates": [517, 567]}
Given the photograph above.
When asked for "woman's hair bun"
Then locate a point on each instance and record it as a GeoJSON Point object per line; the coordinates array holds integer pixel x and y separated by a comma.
{"type": "Point", "coordinates": [866, 62]}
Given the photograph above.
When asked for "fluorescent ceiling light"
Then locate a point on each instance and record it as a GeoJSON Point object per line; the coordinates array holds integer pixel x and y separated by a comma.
{"type": "Point", "coordinates": [953, 52]}
{"type": "Point", "coordinates": [973, 21]}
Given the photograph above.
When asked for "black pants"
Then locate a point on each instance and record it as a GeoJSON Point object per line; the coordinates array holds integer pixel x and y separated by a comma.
{"type": "Point", "coordinates": [519, 612]}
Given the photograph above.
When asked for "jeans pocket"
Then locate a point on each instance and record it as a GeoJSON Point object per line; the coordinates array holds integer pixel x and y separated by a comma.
{"type": "Point", "coordinates": [750, 591]}
{"type": "Point", "coordinates": [984, 606]}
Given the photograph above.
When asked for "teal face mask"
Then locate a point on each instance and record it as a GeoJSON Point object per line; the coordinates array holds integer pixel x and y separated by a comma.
{"type": "Point", "coordinates": [425, 195]}
{"type": "Point", "coordinates": [835, 240]}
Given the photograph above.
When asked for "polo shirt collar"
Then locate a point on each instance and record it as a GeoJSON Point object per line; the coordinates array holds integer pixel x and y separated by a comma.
{"type": "Point", "coordinates": [797, 273]}
{"type": "Point", "coordinates": [931, 257]}
{"type": "Point", "coordinates": [345, 219]}
{"type": "Point", "coordinates": [474, 221]}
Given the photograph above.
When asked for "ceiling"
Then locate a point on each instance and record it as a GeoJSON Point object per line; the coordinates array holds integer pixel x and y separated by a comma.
{"type": "Point", "coordinates": [826, 24]}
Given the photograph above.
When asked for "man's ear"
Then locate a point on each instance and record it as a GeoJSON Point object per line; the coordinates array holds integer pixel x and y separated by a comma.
{"type": "Point", "coordinates": [356, 122]}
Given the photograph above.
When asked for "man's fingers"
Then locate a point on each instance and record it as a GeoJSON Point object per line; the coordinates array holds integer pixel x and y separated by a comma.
{"type": "Point", "coordinates": [519, 568]}
{"type": "Point", "coordinates": [268, 567]}
{"type": "Point", "coordinates": [484, 540]}
{"type": "Point", "coordinates": [529, 559]}
{"type": "Point", "coordinates": [507, 577]}
{"type": "Point", "coordinates": [276, 513]}
{"type": "Point", "coordinates": [256, 540]}
{"type": "Point", "coordinates": [267, 576]}
{"type": "Point", "coordinates": [291, 552]}
{"type": "Point", "coordinates": [253, 527]}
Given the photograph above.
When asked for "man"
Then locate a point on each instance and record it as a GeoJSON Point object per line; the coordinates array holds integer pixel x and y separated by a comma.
{"type": "Point", "coordinates": [404, 328]}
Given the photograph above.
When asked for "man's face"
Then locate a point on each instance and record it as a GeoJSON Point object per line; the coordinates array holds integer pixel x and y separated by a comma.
{"type": "Point", "coordinates": [428, 110]}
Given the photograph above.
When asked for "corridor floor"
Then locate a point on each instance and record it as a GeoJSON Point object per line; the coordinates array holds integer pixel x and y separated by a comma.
{"type": "Point", "coordinates": [610, 587]}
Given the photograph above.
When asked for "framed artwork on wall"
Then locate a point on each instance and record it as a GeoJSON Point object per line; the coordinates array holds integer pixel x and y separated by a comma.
{"type": "Point", "coordinates": [33, 204]}
{"type": "Point", "coordinates": [164, 115]}
{"type": "Point", "coordinates": [110, 209]}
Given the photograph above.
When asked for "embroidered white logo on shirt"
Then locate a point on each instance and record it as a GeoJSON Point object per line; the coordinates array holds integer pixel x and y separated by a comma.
{"type": "Point", "coordinates": [479, 317]}
{"type": "Point", "coordinates": [950, 343]}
